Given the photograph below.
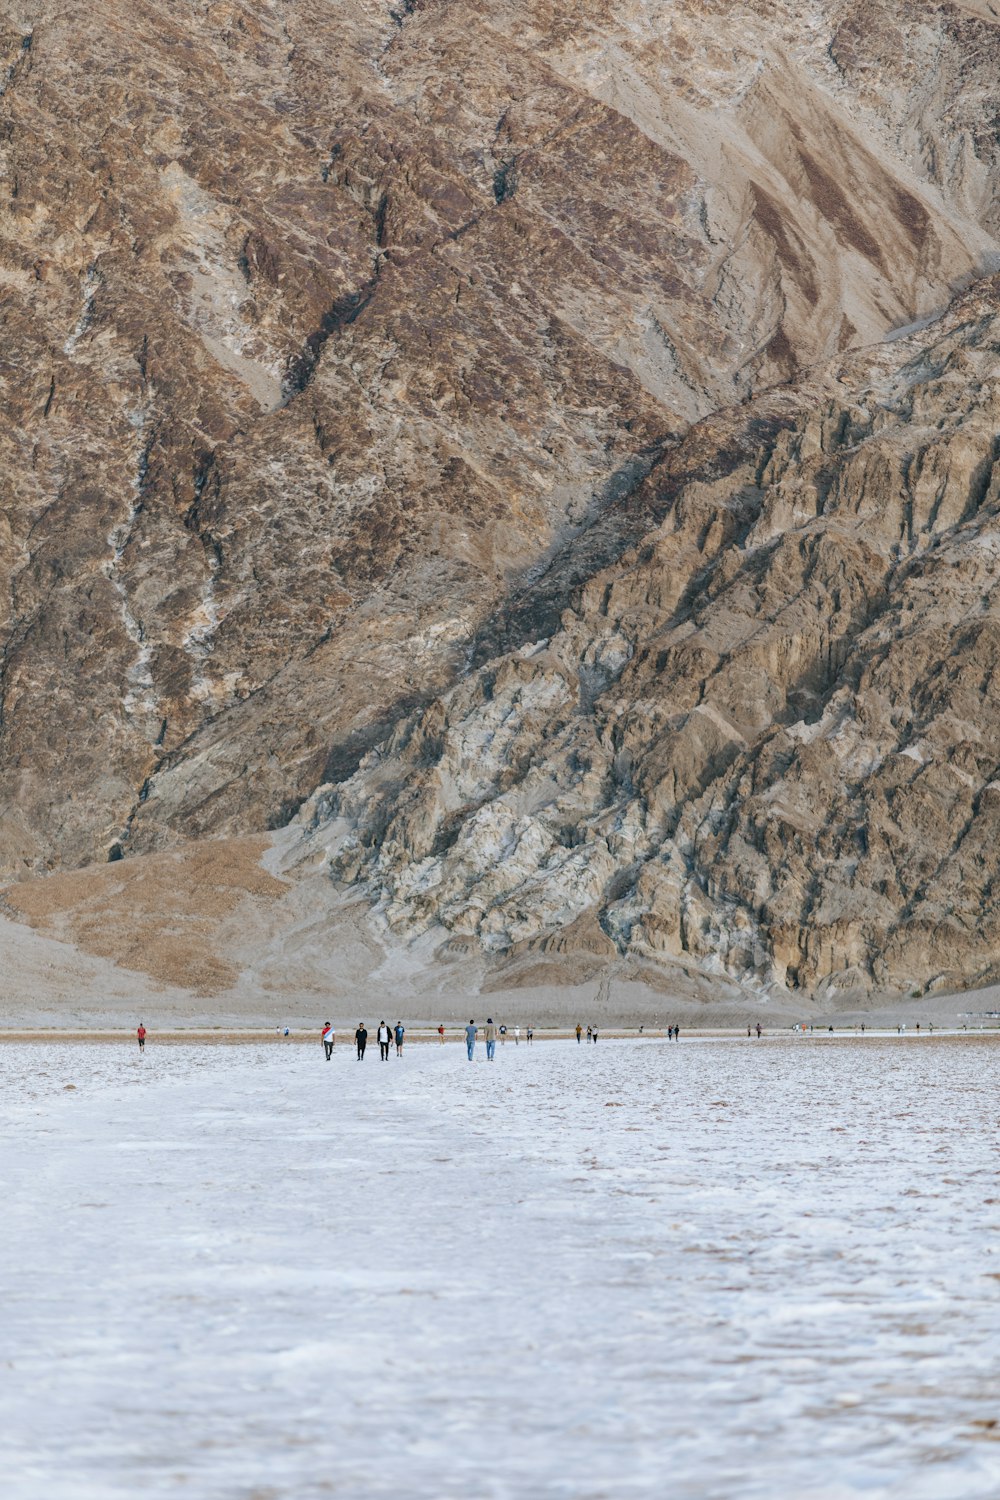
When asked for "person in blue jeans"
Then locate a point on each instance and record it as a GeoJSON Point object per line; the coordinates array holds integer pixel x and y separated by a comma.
{"type": "Point", "coordinates": [470, 1039]}
{"type": "Point", "coordinates": [491, 1039]}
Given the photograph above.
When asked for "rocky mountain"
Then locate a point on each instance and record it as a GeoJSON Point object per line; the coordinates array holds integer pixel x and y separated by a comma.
{"type": "Point", "coordinates": [511, 449]}
{"type": "Point", "coordinates": [766, 739]}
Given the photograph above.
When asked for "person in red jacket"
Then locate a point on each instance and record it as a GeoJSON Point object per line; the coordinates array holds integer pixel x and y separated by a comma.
{"type": "Point", "coordinates": [141, 1034]}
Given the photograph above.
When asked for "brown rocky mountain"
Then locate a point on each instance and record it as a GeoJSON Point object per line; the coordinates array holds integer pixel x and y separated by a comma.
{"type": "Point", "coordinates": [488, 424]}
{"type": "Point", "coordinates": [766, 739]}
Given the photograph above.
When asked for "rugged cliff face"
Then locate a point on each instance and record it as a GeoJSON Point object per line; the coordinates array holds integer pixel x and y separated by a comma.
{"type": "Point", "coordinates": [766, 739]}
{"type": "Point", "coordinates": [347, 347]}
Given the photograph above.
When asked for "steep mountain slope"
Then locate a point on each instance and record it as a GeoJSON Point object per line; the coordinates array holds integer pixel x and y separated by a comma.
{"type": "Point", "coordinates": [328, 326]}
{"type": "Point", "coordinates": [765, 741]}
{"type": "Point", "coordinates": [757, 746]}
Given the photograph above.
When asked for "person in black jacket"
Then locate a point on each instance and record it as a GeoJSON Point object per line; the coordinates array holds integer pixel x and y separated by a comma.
{"type": "Point", "coordinates": [384, 1037]}
{"type": "Point", "coordinates": [361, 1037]}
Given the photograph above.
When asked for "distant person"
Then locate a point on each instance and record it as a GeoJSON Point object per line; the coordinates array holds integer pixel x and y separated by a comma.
{"type": "Point", "coordinates": [141, 1037]}
{"type": "Point", "coordinates": [677, 1033]}
{"type": "Point", "coordinates": [918, 1025]}
{"type": "Point", "coordinates": [759, 1029]}
{"type": "Point", "coordinates": [441, 1032]}
{"type": "Point", "coordinates": [530, 1035]}
{"type": "Point", "coordinates": [491, 1039]}
{"type": "Point", "coordinates": [863, 1028]}
{"type": "Point", "coordinates": [361, 1038]}
{"type": "Point", "coordinates": [384, 1038]}
{"type": "Point", "coordinates": [749, 1033]}
{"type": "Point", "coordinates": [470, 1040]}
{"type": "Point", "coordinates": [640, 1031]}
{"type": "Point", "coordinates": [503, 1035]}
{"type": "Point", "coordinates": [579, 1033]}
{"type": "Point", "coordinates": [595, 1036]}
{"type": "Point", "coordinates": [590, 1033]}
{"type": "Point", "coordinates": [517, 1036]}
{"type": "Point", "coordinates": [399, 1034]}
{"type": "Point", "coordinates": [328, 1039]}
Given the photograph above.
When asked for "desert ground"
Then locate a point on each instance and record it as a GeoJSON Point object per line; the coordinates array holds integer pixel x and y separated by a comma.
{"type": "Point", "coordinates": [716, 1269]}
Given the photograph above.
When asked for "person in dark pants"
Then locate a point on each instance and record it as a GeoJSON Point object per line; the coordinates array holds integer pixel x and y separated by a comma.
{"type": "Point", "coordinates": [328, 1039]}
{"type": "Point", "coordinates": [361, 1037]}
{"type": "Point", "coordinates": [384, 1037]}
{"type": "Point", "coordinates": [141, 1037]}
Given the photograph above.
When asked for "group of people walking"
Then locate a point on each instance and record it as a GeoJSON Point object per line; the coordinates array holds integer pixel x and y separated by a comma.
{"type": "Point", "coordinates": [385, 1036]}
{"type": "Point", "coordinates": [491, 1031]}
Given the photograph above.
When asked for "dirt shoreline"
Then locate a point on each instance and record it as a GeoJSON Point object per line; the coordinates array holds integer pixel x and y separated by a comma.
{"type": "Point", "coordinates": [39, 1036]}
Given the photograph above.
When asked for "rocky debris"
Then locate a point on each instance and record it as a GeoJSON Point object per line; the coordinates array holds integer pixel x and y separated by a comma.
{"type": "Point", "coordinates": [765, 741]}
{"type": "Point", "coordinates": [333, 332]}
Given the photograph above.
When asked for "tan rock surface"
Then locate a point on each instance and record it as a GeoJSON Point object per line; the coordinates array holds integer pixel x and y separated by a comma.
{"type": "Point", "coordinates": [766, 740]}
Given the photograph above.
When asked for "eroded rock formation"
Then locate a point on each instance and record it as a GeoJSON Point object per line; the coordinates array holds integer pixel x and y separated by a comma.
{"type": "Point", "coordinates": [767, 738]}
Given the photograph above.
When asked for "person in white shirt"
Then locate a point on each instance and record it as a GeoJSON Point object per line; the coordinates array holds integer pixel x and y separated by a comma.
{"type": "Point", "coordinates": [384, 1038]}
{"type": "Point", "coordinates": [329, 1037]}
